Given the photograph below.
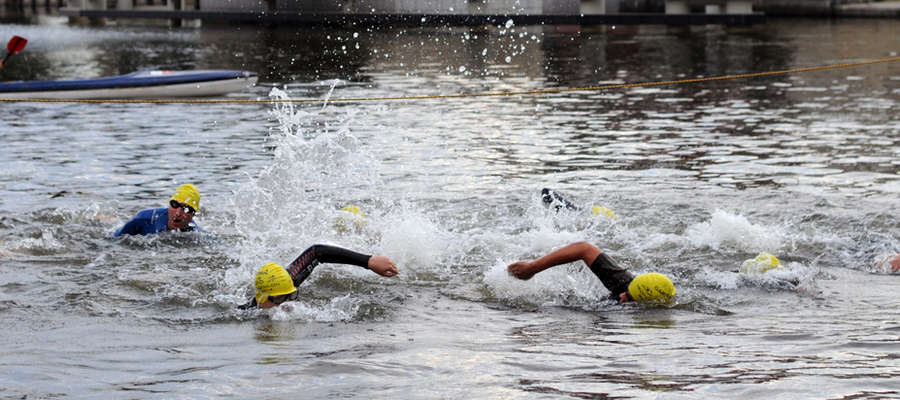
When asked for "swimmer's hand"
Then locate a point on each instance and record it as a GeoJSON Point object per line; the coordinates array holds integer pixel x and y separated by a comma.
{"type": "Point", "coordinates": [383, 266]}
{"type": "Point", "coordinates": [895, 263]}
{"type": "Point", "coordinates": [523, 270]}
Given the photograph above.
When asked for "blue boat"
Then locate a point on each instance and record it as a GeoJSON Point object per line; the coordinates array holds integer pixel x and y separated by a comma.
{"type": "Point", "coordinates": [136, 85]}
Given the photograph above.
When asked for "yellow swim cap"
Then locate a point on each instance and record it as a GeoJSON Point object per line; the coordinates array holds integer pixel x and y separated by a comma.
{"type": "Point", "coordinates": [354, 209]}
{"type": "Point", "coordinates": [187, 194]}
{"type": "Point", "coordinates": [599, 210]}
{"type": "Point", "coordinates": [759, 265]}
{"type": "Point", "coordinates": [272, 280]}
{"type": "Point", "coordinates": [342, 222]}
{"type": "Point", "coordinates": [652, 287]}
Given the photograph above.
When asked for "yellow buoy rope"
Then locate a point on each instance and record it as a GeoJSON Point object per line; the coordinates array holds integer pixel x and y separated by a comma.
{"type": "Point", "coordinates": [464, 95]}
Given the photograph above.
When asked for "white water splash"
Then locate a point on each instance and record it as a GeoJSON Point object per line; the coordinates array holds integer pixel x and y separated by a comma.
{"type": "Point", "coordinates": [554, 286]}
{"type": "Point", "coordinates": [342, 308]}
{"type": "Point", "coordinates": [735, 231]}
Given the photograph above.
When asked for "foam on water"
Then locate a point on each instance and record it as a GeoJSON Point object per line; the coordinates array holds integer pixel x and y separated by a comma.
{"type": "Point", "coordinates": [319, 166]}
{"type": "Point", "coordinates": [552, 286]}
{"type": "Point", "coordinates": [793, 277]}
{"type": "Point", "coordinates": [537, 232]}
{"type": "Point", "coordinates": [342, 308]}
{"type": "Point", "coordinates": [45, 243]}
{"type": "Point", "coordinates": [726, 230]}
{"type": "Point", "coordinates": [572, 285]}
{"type": "Point", "coordinates": [414, 240]}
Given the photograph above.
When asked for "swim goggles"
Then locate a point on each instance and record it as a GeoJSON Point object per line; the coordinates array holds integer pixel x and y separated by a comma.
{"type": "Point", "coordinates": [184, 207]}
{"type": "Point", "coordinates": [280, 299]}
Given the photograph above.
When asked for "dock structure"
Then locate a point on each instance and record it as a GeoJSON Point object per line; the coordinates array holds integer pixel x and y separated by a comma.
{"type": "Point", "coordinates": [416, 12]}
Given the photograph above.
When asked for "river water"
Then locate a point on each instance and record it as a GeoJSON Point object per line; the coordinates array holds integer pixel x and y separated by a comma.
{"type": "Point", "coordinates": [700, 177]}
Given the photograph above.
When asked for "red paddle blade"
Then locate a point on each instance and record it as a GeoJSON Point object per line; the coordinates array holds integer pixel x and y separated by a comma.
{"type": "Point", "coordinates": [16, 44]}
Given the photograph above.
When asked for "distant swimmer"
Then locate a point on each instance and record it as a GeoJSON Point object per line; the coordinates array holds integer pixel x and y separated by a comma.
{"type": "Point", "coordinates": [275, 284]}
{"type": "Point", "coordinates": [183, 205]}
{"type": "Point", "coordinates": [553, 200]}
{"type": "Point", "coordinates": [764, 262]}
{"type": "Point", "coordinates": [623, 286]}
{"type": "Point", "coordinates": [891, 262]}
{"type": "Point", "coordinates": [351, 218]}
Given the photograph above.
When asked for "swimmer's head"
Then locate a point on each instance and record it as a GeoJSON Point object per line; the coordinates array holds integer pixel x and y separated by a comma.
{"type": "Point", "coordinates": [351, 214]}
{"type": "Point", "coordinates": [761, 264]}
{"type": "Point", "coordinates": [600, 210]}
{"type": "Point", "coordinates": [272, 280]}
{"type": "Point", "coordinates": [353, 210]}
{"type": "Point", "coordinates": [187, 194]}
{"type": "Point", "coordinates": [652, 287]}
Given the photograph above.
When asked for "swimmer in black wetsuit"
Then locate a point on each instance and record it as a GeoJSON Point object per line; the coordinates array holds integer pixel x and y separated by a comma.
{"type": "Point", "coordinates": [622, 285]}
{"type": "Point", "coordinates": [556, 202]}
{"type": "Point", "coordinates": [276, 284]}
{"type": "Point", "coordinates": [551, 199]}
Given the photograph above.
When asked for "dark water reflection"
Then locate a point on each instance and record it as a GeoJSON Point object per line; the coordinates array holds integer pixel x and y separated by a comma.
{"type": "Point", "coordinates": [285, 55]}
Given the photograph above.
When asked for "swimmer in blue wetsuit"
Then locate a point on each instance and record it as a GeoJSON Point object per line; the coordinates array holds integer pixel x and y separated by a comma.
{"type": "Point", "coordinates": [183, 205]}
{"type": "Point", "coordinates": [275, 284]}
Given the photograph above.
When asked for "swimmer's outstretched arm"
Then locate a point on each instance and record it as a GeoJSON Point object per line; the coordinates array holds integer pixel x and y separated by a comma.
{"type": "Point", "coordinates": [573, 252]}
{"type": "Point", "coordinates": [303, 266]}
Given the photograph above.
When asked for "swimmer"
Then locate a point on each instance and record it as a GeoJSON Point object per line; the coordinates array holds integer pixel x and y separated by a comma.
{"type": "Point", "coordinates": [552, 199]}
{"type": "Point", "coordinates": [623, 286]}
{"type": "Point", "coordinates": [764, 262]}
{"type": "Point", "coordinates": [183, 205]}
{"type": "Point", "coordinates": [894, 262]}
{"type": "Point", "coordinates": [275, 284]}
{"type": "Point", "coordinates": [351, 218]}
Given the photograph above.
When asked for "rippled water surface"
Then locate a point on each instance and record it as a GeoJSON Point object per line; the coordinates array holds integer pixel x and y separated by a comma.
{"type": "Point", "coordinates": [700, 176]}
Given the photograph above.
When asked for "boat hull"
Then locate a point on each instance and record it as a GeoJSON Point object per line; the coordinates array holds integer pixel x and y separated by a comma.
{"type": "Point", "coordinates": [138, 85]}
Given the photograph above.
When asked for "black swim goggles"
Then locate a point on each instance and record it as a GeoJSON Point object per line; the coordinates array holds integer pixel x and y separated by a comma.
{"type": "Point", "coordinates": [184, 207]}
{"type": "Point", "coordinates": [281, 299]}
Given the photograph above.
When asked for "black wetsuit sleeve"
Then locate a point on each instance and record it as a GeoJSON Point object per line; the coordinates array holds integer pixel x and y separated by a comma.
{"type": "Point", "coordinates": [614, 277]}
{"type": "Point", "coordinates": [303, 266]}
